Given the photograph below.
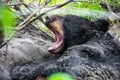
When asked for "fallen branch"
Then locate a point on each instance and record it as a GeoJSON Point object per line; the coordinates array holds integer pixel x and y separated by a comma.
{"type": "Point", "coordinates": [28, 20]}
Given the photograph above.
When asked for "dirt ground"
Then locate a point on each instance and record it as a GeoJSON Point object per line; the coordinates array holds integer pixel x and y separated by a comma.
{"type": "Point", "coordinates": [28, 47]}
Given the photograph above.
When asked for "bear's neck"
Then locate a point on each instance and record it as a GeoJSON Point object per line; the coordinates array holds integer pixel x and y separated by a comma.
{"type": "Point", "coordinates": [77, 39]}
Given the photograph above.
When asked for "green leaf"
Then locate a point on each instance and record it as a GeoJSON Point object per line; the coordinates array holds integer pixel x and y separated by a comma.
{"type": "Point", "coordinates": [60, 76]}
{"type": "Point", "coordinates": [7, 20]}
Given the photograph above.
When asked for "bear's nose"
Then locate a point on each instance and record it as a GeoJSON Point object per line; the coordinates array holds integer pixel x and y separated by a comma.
{"type": "Point", "coordinates": [48, 19]}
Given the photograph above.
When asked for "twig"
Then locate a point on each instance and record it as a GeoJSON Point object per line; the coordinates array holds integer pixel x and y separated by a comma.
{"type": "Point", "coordinates": [27, 6]}
{"type": "Point", "coordinates": [109, 8]}
{"type": "Point", "coordinates": [56, 7]}
{"type": "Point", "coordinates": [39, 2]}
{"type": "Point", "coordinates": [15, 4]}
{"type": "Point", "coordinates": [19, 9]}
{"type": "Point", "coordinates": [85, 1]}
{"type": "Point", "coordinates": [34, 13]}
{"type": "Point", "coordinates": [29, 17]}
{"type": "Point", "coordinates": [6, 54]}
{"type": "Point", "coordinates": [10, 37]}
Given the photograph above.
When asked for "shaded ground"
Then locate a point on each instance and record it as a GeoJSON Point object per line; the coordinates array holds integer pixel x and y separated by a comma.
{"type": "Point", "coordinates": [29, 46]}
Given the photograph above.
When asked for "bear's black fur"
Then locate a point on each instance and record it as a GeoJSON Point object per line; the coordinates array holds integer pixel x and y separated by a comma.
{"type": "Point", "coordinates": [76, 30]}
{"type": "Point", "coordinates": [92, 54]}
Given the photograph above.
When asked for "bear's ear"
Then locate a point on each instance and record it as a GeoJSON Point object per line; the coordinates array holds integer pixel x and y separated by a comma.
{"type": "Point", "coordinates": [100, 25]}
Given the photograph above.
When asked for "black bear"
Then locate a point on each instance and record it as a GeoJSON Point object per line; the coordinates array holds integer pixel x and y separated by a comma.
{"type": "Point", "coordinates": [89, 53]}
{"type": "Point", "coordinates": [72, 30]}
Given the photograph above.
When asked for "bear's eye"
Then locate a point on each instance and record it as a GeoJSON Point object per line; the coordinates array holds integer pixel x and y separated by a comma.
{"type": "Point", "coordinates": [67, 19]}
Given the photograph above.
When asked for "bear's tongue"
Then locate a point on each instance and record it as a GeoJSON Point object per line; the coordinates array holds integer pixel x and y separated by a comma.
{"type": "Point", "coordinates": [58, 43]}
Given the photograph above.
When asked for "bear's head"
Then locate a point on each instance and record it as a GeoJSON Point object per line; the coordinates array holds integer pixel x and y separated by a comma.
{"type": "Point", "coordinates": [70, 30]}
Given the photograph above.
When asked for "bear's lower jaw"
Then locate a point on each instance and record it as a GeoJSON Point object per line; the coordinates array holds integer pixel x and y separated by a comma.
{"type": "Point", "coordinates": [58, 44]}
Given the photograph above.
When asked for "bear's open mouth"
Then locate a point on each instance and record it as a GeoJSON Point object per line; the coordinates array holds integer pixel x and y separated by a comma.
{"type": "Point", "coordinates": [55, 26]}
{"type": "Point", "coordinates": [59, 40]}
